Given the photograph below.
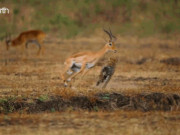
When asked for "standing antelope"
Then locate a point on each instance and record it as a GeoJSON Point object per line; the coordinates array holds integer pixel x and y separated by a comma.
{"type": "Point", "coordinates": [33, 36]}
{"type": "Point", "coordinates": [83, 61]}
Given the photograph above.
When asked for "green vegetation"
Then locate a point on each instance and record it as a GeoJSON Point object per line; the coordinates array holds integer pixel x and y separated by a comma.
{"type": "Point", "coordinates": [43, 98]}
{"type": "Point", "coordinates": [7, 104]}
{"type": "Point", "coordinates": [69, 18]}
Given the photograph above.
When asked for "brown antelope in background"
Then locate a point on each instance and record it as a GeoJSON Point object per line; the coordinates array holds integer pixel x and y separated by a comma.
{"type": "Point", "coordinates": [33, 36]}
{"type": "Point", "coordinates": [83, 61]}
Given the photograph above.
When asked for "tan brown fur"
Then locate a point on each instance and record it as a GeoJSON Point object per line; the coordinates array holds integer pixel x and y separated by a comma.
{"type": "Point", "coordinates": [82, 62]}
{"type": "Point", "coordinates": [24, 37]}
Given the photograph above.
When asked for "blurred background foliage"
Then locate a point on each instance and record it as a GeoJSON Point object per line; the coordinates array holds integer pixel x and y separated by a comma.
{"type": "Point", "coordinates": [69, 18]}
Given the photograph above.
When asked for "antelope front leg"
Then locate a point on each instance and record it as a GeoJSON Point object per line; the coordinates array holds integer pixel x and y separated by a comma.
{"type": "Point", "coordinates": [85, 72]}
{"type": "Point", "coordinates": [63, 75]}
{"type": "Point", "coordinates": [68, 65]}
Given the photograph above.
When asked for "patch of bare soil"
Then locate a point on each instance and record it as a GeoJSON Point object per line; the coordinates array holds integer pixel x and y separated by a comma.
{"type": "Point", "coordinates": [171, 61]}
{"type": "Point", "coordinates": [101, 101]}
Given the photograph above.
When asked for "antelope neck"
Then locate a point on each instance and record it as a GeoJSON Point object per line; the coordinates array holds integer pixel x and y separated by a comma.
{"type": "Point", "coordinates": [101, 52]}
{"type": "Point", "coordinates": [16, 42]}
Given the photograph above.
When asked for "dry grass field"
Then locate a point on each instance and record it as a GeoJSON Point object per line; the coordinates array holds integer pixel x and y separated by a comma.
{"type": "Point", "coordinates": [109, 123]}
{"type": "Point", "coordinates": [145, 66]}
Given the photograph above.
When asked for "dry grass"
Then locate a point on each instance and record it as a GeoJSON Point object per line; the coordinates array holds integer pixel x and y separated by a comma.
{"type": "Point", "coordinates": [139, 70]}
{"type": "Point", "coordinates": [120, 123]}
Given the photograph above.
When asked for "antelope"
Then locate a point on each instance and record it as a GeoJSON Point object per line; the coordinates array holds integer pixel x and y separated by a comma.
{"type": "Point", "coordinates": [33, 36]}
{"type": "Point", "coordinates": [82, 62]}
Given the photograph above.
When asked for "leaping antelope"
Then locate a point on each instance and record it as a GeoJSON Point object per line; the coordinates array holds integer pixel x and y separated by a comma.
{"type": "Point", "coordinates": [33, 36]}
{"type": "Point", "coordinates": [83, 61]}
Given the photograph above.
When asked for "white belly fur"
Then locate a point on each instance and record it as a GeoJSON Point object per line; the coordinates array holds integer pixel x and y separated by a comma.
{"type": "Point", "coordinates": [89, 65]}
{"type": "Point", "coordinates": [77, 66]}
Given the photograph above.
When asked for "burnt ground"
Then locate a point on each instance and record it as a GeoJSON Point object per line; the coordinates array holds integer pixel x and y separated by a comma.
{"type": "Point", "coordinates": [171, 61]}
{"type": "Point", "coordinates": [98, 102]}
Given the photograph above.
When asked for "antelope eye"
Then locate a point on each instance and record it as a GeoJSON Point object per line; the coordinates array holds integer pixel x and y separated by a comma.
{"type": "Point", "coordinates": [110, 44]}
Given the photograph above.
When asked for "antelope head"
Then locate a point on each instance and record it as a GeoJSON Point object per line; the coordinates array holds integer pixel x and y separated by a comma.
{"type": "Point", "coordinates": [8, 41]}
{"type": "Point", "coordinates": [110, 45]}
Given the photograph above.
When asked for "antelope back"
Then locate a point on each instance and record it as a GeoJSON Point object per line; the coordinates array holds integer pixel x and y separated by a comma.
{"type": "Point", "coordinates": [32, 35]}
